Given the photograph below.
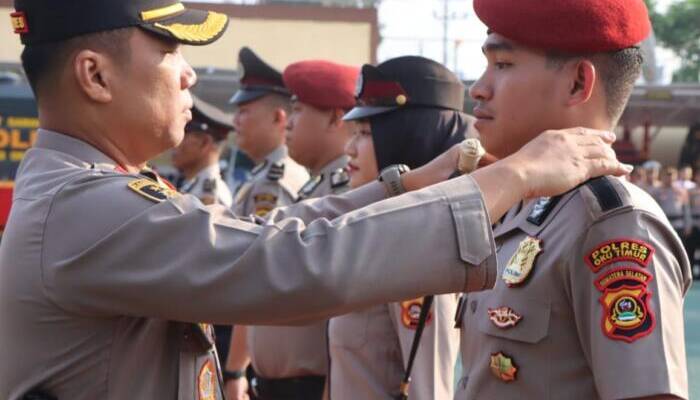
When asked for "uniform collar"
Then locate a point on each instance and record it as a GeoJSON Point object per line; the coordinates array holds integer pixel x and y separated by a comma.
{"type": "Point", "coordinates": [77, 148]}
{"type": "Point", "coordinates": [338, 163]}
{"type": "Point", "coordinates": [522, 219]}
{"type": "Point", "coordinates": [212, 171]}
{"type": "Point", "coordinates": [277, 155]}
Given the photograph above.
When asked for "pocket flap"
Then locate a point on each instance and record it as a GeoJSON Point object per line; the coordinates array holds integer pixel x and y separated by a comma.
{"type": "Point", "coordinates": [531, 328]}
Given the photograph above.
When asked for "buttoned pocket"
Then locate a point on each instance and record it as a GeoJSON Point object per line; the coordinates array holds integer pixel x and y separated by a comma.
{"type": "Point", "coordinates": [514, 317]}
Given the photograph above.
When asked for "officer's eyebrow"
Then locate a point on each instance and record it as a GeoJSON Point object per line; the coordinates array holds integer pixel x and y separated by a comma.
{"type": "Point", "coordinates": [497, 45]}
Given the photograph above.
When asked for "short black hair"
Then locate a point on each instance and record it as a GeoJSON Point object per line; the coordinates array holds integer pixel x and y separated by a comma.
{"type": "Point", "coordinates": [41, 62]}
{"type": "Point", "coordinates": [618, 70]}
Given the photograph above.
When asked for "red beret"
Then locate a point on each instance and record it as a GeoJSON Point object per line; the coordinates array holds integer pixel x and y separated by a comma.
{"type": "Point", "coordinates": [570, 26]}
{"type": "Point", "coordinates": [322, 84]}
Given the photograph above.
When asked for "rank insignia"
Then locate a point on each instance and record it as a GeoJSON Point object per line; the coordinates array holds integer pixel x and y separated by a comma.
{"type": "Point", "coordinates": [206, 382]}
{"type": "Point", "coordinates": [339, 178]}
{"type": "Point", "coordinates": [258, 168]}
{"type": "Point", "coordinates": [504, 317]}
{"type": "Point", "coordinates": [619, 250]}
{"type": "Point", "coordinates": [521, 263]}
{"type": "Point", "coordinates": [410, 313]}
{"type": "Point", "coordinates": [625, 301]}
{"type": "Point", "coordinates": [19, 22]}
{"type": "Point", "coordinates": [308, 189]}
{"type": "Point", "coordinates": [503, 367]}
{"type": "Point", "coordinates": [152, 190]}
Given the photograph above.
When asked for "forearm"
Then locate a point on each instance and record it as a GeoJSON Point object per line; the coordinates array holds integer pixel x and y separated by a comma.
{"type": "Point", "coordinates": [238, 357]}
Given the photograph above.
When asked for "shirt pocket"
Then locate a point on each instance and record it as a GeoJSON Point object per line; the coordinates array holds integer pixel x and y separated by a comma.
{"type": "Point", "coordinates": [533, 325]}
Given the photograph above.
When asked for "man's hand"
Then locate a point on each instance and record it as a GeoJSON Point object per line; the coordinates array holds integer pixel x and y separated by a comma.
{"type": "Point", "coordinates": [549, 165]}
{"type": "Point", "coordinates": [558, 161]}
{"type": "Point", "coordinates": [237, 389]}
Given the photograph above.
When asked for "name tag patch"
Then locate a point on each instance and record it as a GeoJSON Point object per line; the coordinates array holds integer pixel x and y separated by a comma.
{"type": "Point", "coordinates": [619, 250]}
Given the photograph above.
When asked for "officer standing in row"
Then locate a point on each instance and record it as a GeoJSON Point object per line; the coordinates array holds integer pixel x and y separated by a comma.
{"type": "Point", "coordinates": [296, 367]}
{"type": "Point", "coordinates": [588, 301]}
{"type": "Point", "coordinates": [107, 275]}
{"type": "Point", "coordinates": [262, 108]}
{"type": "Point", "coordinates": [197, 157]}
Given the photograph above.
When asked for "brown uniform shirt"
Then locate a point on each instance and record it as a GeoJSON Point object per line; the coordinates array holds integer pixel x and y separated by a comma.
{"type": "Point", "coordinates": [106, 276]}
{"type": "Point", "coordinates": [588, 302]}
{"type": "Point", "coordinates": [303, 350]}
{"type": "Point", "coordinates": [275, 183]}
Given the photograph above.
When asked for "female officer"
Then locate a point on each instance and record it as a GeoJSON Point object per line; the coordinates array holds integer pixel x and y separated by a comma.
{"type": "Point", "coordinates": [408, 112]}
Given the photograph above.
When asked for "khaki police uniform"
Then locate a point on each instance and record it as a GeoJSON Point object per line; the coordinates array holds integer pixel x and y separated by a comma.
{"type": "Point", "coordinates": [674, 204]}
{"type": "Point", "coordinates": [303, 352]}
{"type": "Point", "coordinates": [106, 276]}
{"type": "Point", "coordinates": [588, 302]}
{"type": "Point", "coordinates": [275, 183]}
{"type": "Point", "coordinates": [208, 187]}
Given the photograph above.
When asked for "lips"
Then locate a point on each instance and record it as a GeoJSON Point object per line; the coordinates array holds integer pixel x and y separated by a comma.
{"type": "Point", "coordinates": [482, 114]}
{"type": "Point", "coordinates": [352, 168]}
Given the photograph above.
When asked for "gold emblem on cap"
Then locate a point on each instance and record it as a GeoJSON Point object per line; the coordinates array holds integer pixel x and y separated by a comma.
{"type": "Point", "coordinates": [521, 263]}
{"type": "Point", "coordinates": [162, 12]}
{"type": "Point", "coordinates": [401, 99]}
{"type": "Point", "coordinates": [503, 367]}
{"type": "Point", "coordinates": [203, 32]}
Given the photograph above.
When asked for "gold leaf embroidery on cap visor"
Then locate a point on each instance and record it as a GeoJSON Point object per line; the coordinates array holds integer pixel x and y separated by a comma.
{"type": "Point", "coordinates": [162, 12]}
{"type": "Point", "coordinates": [203, 32]}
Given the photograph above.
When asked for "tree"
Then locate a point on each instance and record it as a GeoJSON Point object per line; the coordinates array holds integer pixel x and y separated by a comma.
{"type": "Point", "coordinates": [679, 30]}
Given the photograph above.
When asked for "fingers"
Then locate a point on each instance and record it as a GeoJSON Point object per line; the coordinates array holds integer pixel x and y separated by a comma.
{"type": "Point", "coordinates": [586, 135]}
{"type": "Point", "coordinates": [605, 166]}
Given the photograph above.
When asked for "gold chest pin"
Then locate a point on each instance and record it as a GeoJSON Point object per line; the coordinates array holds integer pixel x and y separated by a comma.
{"type": "Point", "coordinates": [521, 263]}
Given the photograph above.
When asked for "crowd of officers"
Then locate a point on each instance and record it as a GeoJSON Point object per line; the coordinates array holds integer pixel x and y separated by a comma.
{"type": "Point", "coordinates": [677, 190]}
{"type": "Point", "coordinates": [570, 293]}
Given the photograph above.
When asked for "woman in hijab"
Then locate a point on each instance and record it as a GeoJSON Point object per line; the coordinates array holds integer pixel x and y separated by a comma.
{"type": "Point", "coordinates": [408, 112]}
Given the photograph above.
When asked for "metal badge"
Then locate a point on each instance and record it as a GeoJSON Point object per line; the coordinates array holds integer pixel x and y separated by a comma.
{"type": "Point", "coordinates": [504, 317]}
{"type": "Point", "coordinates": [522, 262]}
{"type": "Point", "coordinates": [503, 367]}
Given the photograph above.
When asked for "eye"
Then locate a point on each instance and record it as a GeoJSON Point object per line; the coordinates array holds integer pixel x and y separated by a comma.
{"type": "Point", "coordinates": [500, 65]}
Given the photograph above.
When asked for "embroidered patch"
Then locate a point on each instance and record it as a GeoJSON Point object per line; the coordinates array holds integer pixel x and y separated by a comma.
{"type": "Point", "coordinates": [151, 190]}
{"type": "Point", "coordinates": [265, 198]}
{"type": "Point", "coordinates": [522, 262]}
{"type": "Point", "coordinates": [504, 317]}
{"type": "Point", "coordinates": [503, 367]}
{"type": "Point", "coordinates": [619, 250]}
{"type": "Point", "coordinates": [410, 313]}
{"type": "Point", "coordinates": [18, 20]}
{"type": "Point", "coordinates": [262, 211]}
{"type": "Point", "coordinates": [625, 301]}
{"type": "Point", "coordinates": [206, 382]}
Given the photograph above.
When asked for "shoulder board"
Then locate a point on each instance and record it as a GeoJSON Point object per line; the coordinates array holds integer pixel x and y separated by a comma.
{"type": "Point", "coordinates": [309, 187]}
{"type": "Point", "coordinates": [209, 185]}
{"type": "Point", "coordinates": [275, 172]}
{"type": "Point", "coordinates": [339, 178]}
{"type": "Point", "coordinates": [543, 207]}
{"type": "Point", "coordinates": [258, 168]}
{"type": "Point", "coordinates": [151, 190]}
{"type": "Point", "coordinates": [604, 195]}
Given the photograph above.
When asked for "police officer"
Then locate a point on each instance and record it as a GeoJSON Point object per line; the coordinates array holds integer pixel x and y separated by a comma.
{"type": "Point", "coordinates": [262, 107]}
{"type": "Point", "coordinates": [107, 275]}
{"type": "Point", "coordinates": [409, 111]}
{"type": "Point", "coordinates": [296, 368]}
{"type": "Point", "coordinates": [674, 202]}
{"type": "Point", "coordinates": [588, 301]}
{"type": "Point", "coordinates": [197, 157]}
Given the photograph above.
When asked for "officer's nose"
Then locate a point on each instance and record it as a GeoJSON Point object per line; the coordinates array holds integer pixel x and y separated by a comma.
{"type": "Point", "coordinates": [480, 90]}
{"type": "Point", "coordinates": [350, 146]}
{"type": "Point", "coordinates": [189, 76]}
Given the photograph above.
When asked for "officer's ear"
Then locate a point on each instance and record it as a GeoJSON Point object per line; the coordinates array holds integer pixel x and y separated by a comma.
{"type": "Point", "coordinates": [93, 76]}
{"type": "Point", "coordinates": [582, 79]}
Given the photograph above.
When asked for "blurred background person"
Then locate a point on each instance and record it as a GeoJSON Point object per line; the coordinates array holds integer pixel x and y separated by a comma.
{"type": "Point", "coordinates": [694, 240]}
{"type": "Point", "coordinates": [652, 169]}
{"type": "Point", "coordinates": [262, 106]}
{"type": "Point", "coordinates": [674, 203]}
{"type": "Point", "coordinates": [296, 367]}
{"type": "Point", "coordinates": [197, 157]}
{"type": "Point", "coordinates": [408, 112]}
{"type": "Point", "coordinates": [685, 178]}
{"type": "Point", "coordinates": [638, 176]}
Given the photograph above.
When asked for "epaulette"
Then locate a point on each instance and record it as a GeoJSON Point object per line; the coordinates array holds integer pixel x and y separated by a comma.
{"type": "Point", "coordinates": [339, 178]}
{"type": "Point", "coordinates": [209, 186]}
{"type": "Point", "coordinates": [276, 171]}
{"type": "Point", "coordinates": [604, 195]}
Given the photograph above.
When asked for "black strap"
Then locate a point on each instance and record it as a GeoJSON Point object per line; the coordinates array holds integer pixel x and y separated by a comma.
{"type": "Point", "coordinates": [607, 196]}
{"type": "Point", "coordinates": [422, 319]}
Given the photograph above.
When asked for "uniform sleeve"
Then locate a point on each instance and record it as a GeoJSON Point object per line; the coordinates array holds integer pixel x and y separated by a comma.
{"type": "Point", "coordinates": [180, 260]}
{"type": "Point", "coordinates": [627, 283]}
{"type": "Point", "coordinates": [432, 376]}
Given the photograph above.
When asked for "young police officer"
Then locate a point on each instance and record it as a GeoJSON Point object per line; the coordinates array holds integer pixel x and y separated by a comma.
{"type": "Point", "coordinates": [588, 301]}
{"type": "Point", "coordinates": [106, 274]}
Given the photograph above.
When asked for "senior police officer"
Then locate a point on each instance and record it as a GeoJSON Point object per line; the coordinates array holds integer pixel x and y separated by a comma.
{"type": "Point", "coordinates": [296, 368]}
{"type": "Point", "coordinates": [588, 301]}
{"type": "Point", "coordinates": [262, 107]}
{"type": "Point", "coordinates": [106, 275]}
{"type": "Point", "coordinates": [197, 157]}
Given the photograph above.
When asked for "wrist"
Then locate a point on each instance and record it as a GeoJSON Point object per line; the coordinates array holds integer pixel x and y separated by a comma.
{"type": "Point", "coordinates": [514, 176]}
{"type": "Point", "coordinates": [232, 375]}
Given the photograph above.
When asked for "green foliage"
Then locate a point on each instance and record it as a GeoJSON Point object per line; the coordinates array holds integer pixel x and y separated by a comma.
{"type": "Point", "coordinates": [679, 30]}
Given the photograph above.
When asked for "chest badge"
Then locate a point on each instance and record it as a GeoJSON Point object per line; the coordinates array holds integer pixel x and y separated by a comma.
{"type": "Point", "coordinates": [504, 317]}
{"type": "Point", "coordinates": [521, 263]}
{"type": "Point", "coordinates": [503, 367]}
